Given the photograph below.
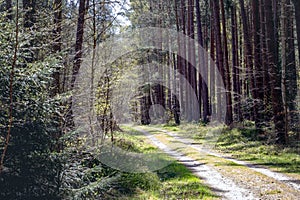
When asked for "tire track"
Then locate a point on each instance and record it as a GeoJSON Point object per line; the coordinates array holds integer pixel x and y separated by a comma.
{"type": "Point", "coordinates": [275, 175]}
{"type": "Point", "coordinates": [222, 186]}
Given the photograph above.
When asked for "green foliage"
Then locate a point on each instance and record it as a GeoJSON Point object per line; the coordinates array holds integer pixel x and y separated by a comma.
{"type": "Point", "coordinates": [84, 177]}
{"type": "Point", "coordinates": [31, 171]}
{"type": "Point", "coordinates": [176, 182]}
{"type": "Point", "coordinates": [146, 181]}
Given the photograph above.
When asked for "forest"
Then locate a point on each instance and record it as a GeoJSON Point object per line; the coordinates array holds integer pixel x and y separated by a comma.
{"type": "Point", "coordinates": [149, 99]}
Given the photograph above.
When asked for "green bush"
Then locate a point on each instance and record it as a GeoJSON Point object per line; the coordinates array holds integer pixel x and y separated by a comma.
{"type": "Point", "coordinates": [31, 171]}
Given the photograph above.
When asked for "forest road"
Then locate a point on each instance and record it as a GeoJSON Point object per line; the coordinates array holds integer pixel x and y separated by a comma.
{"type": "Point", "coordinates": [229, 178]}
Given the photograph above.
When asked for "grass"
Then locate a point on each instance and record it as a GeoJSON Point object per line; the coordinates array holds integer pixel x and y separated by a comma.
{"type": "Point", "coordinates": [131, 140]}
{"type": "Point", "coordinates": [174, 181]}
{"type": "Point", "coordinates": [244, 144]}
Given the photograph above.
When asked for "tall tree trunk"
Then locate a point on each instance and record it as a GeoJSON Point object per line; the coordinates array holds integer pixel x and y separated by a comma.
{"type": "Point", "coordinates": [179, 59]}
{"type": "Point", "coordinates": [275, 5]}
{"type": "Point", "coordinates": [212, 65]}
{"type": "Point", "coordinates": [259, 90]}
{"type": "Point", "coordinates": [185, 93]}
{"type": "Point", "coordinates": [79, 42]}
{"type": "Point", "coordinates": [220, 55]}
{"type": "Point", "coordinates": [264, 58]}
{"type": "Point", "coordinates": [229, 118]}
{"type": "Point", "coordinates": [235, 63]}
{"type": "Point", "coordinates": [78, 55]}
{"type": "Point", "coordinates": [56, 49]}
{"type": "Point", "coordinates": [291, 72]}
{"type": "Point", "coordinates": [283, 23]}
{"type": "Point", "coordinates": [203, 88]}
{"type": "Point", "coordinates": [161, 70]}
{"type": "Point", "coordinates": [277, 103]}
{"type": "Point", "coordinates": [297, 14]}
{"type": "Point", "coordinates": [192, 60]}
{"type": "Point", "coordinates": [248, 56]}
{"type": "Point", "coordinates": [200, 61]}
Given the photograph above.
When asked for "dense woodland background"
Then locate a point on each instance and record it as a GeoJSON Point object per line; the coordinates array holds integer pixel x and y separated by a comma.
{"type": "Point", "coordinates": [254, 43]}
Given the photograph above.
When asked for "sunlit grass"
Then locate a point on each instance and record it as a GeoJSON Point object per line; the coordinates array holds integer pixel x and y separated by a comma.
{"type": "Point", "coordinates": [245, 145]}
{"type": "Point", "coordinates": [242, 145]}
{"type": "Point", "coordinates": [174, 181]}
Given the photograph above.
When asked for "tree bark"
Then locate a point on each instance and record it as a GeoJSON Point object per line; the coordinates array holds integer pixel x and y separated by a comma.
{"type": "Point", "coordinates": [291, 73]}
{"type": "Point", "coordinates": [259, 90]}
{"type": "Point", "coordinates": [179, 59]}
{"type": "Point", "coordinates": [200, 61]}
{"type": "Point", "coordinates": [220, 55]}
{"type": "Point", "coordinates": [283, 23]}
{"type": "Point", "coordinates": [78, 56]}
{"type": "Point", "coordinates": [248, 56]}
{"type": "Point", "coordinates": [203, 64]}
{"type": "Point", "coordinates": [297, 14]}
{"type": "Point", "coordinates": [264, 58]}
{"type": "Point", "coordinates": [79, 42]}
{"type": "Point", "coordinates": [192, 59]}
{"type": "Point", "coordinates": [212, 66]}
{"type": "Point", "coordinates": [185, 93]}
{"type": "Point", "coordinates": [229, 118]}
{"type": "Point", "coordinates": [277, 103]}
{"type": "Point", "coordinates": [235, 63]}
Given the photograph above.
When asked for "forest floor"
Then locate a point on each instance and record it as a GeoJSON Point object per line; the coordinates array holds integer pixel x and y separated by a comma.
{"type": "Point", "coordinates": [226, 176]}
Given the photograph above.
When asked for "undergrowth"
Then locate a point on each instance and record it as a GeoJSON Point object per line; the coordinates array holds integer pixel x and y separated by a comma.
{"type": "Point", "coordinates": [85, 177]}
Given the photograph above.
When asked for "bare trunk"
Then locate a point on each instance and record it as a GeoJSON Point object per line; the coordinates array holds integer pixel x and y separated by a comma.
{"type": "Point", "coordinates": [259, 90]}
{"type": "Point", "coordinates": [78, 55]}
{"type": "Point", "coordinates": [284, 62]}
{"type": "Point", "coordinates": [291, 72]}
{"type": "Point", "coordinates": [235, 63]}
{"type": "Point", "coordinates": [264, 57]}
{"type": "Point", "coordinates": [229, 118]}
{"type": "Point", "coordinates": [192, 58]}
{"type": "Point", "coordinates": [203, 88]}
{"type": "Point", "coordinates": [277, 103]}
{"type": "Point", "coordinates": [184, 63]}
{"type": "Point", "coordinates": [220, 56]}
{"type": "Point", "coordinates": [212, 67]}
{"type": "Point", "coordinates": [297, 13]}
{"type": "Point", "coordinates": [249, 57]}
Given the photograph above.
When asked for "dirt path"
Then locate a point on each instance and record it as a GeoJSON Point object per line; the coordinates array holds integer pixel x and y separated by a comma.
{"type": "Point", "coordinates": [229, 178]}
